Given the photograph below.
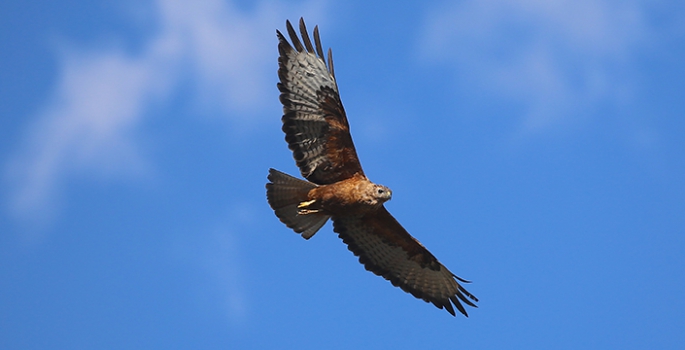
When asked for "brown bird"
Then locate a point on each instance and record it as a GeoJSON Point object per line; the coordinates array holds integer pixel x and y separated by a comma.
{"type": "Point", "coordinates": [317, 131]}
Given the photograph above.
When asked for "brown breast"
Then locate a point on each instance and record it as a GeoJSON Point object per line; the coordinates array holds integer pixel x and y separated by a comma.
{"type": "Point", "coordinates": [344, 198]}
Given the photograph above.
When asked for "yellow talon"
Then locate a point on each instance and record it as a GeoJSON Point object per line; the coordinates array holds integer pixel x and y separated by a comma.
{"type": "Point", "coordinates": [303, 207]}
{"type": "Point", "coordinates": [306, 211]}
{"type": "Point", "coordinates": [306, 204]}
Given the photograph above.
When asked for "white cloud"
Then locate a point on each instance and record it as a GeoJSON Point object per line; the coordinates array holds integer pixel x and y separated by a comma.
{"type": "Point", "coordinates": [558, 58]}
{"type": "Point", "coordinates": [89, 124]}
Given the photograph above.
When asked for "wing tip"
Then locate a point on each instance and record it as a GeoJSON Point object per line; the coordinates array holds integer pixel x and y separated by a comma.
{"type": "Point", "coordinates": [306, 44]}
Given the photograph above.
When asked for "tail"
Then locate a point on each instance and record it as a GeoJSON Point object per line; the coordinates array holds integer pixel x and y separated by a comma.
{"type": "Point", "coordinates": [284, 194]}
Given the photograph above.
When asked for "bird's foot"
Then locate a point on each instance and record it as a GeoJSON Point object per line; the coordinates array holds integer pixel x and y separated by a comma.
{"type": "Point", "coordinates": [303, 207]}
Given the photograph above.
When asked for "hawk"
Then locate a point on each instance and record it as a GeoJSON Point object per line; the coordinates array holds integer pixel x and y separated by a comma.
{"type": "Point", "coordinates": [318, 133]}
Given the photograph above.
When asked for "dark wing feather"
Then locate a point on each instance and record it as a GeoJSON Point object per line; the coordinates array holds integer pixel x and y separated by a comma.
{"type": "Point", "coordinates": [385, 248]}
{"type": "Point", "coordinates": [314, 120]}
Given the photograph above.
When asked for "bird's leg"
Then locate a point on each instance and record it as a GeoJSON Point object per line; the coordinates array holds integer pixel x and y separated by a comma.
{"type": "Point", "coordinates": [303, 207]}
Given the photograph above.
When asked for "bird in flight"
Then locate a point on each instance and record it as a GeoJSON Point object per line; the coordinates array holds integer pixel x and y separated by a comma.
{"type": "Point", "coordinates": [318, 133]}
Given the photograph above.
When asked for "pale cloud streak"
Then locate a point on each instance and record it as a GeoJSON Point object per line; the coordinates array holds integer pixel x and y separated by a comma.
{"type": "Point", "coordinates": [89, 126]}
{"type": "Point", "coordinates": [559, 59]}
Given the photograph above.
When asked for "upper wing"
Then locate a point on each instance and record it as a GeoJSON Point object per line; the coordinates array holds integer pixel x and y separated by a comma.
{"type": "Point", "coordinates": [387, 249]}
{"type": "Point", "coordinates": [314, 120]}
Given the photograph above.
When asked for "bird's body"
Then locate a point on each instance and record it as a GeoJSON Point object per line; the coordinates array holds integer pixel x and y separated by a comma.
{"type": "Point", "coordinates": [354, 196]}
{"type": "Point", "coordinates": [317, 131]}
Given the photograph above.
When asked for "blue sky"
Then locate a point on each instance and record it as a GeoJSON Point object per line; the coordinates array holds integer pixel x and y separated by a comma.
{"type": "Point", "coordinates": [535, 147]}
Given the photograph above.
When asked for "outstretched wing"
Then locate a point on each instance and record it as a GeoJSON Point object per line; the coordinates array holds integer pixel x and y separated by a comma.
{"type": "Point", "coordinates": [314, 120]}
{"type": "Point", "coordinates": [385, 248]}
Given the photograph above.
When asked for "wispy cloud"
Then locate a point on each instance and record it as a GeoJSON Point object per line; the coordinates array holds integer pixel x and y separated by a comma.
{"type": "Point", "coordinates": [557, 58]}
{"type": "Point", "coordinates": [214, 250]}
{"type": "Point", "coordinates": [89, 124]}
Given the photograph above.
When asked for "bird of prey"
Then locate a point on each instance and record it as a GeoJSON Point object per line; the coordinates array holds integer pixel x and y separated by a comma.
{"type": "Point", "coordinates": [318, 133]}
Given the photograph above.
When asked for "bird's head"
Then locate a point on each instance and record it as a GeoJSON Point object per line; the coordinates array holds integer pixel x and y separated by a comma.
{"type": "Point", "coordinates": [382, 193]}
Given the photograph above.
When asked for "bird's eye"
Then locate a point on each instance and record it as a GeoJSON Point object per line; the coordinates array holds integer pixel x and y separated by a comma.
{"type": "Point", "coordinates": [380, 191]}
